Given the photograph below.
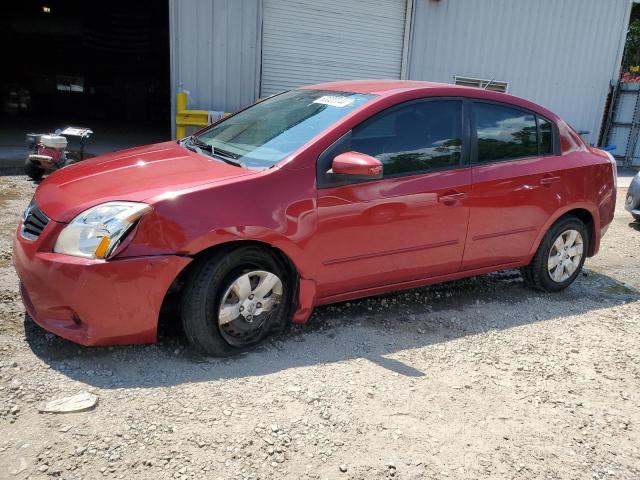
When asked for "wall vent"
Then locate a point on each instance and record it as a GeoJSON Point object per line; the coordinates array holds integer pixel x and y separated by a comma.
{"type": "Point", "coordinates": [494, 85]}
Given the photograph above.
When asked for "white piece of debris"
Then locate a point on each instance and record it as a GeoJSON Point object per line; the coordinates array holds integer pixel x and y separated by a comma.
{"type": "Point", "coordinates": [22, 466]}
{"type": "Point", "coordinates": [76, 403]}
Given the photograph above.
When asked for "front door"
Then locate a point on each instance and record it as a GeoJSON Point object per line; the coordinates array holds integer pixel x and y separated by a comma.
{"type": "Point", "coordinates": [410, 224]}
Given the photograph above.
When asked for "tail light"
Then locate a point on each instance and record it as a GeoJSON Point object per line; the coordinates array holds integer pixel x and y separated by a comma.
{"type": "Point", "coordinates": [614, 168]}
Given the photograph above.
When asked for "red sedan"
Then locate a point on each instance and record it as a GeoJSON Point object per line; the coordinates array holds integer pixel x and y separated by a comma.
{"type": "Point", "coordinates": [317, 195]}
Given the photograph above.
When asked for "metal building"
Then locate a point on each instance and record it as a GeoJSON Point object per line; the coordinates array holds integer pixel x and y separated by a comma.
{"type": "Point", "coordinates": [561, 54]}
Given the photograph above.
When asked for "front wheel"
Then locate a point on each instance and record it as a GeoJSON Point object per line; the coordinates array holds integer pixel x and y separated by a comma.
{"type": "Point", "coordinates": [560, 256]}
{"type": "Point", "coordinates": [232, 300]}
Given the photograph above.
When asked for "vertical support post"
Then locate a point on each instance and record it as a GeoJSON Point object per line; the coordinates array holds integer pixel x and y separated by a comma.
{"type": "Point", "coordinates": [181, 105]}
{"type": "Point", "coordinates": [610, 111]}
{"type": "Point", "coordinates": [406, 42]}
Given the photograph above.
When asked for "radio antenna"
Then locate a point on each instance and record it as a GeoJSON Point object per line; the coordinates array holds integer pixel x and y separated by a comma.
{"type": "Point", "coordinates": [488, 83]}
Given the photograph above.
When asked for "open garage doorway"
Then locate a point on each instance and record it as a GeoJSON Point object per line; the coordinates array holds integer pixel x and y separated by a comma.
{"type": "Point", "coordinates": [99, 65]}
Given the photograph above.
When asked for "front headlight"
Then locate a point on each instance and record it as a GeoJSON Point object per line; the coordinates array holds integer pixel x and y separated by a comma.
{"type": "Point", "coordinates": [96, 232]}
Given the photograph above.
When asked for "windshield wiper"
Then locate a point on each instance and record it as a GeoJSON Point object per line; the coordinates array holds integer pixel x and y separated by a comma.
{"type": "Point", "coordinates": [228, 157]}
{"type": "Point", "coordinates": [230, 161]}
{"type": "Point", "coordinates": [226, 153]}
{"type": "Point", "coordinates": [217, 153]}
{"type": "Point", "coordinates": [193, 140]}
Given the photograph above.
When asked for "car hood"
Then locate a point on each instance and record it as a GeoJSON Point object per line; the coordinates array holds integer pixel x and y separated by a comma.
{"type": "Point", "coordinates": [135, 174]}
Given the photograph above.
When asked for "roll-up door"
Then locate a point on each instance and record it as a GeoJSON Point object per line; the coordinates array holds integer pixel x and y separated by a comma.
{"type": "Point", "coordinates": [313, 41]}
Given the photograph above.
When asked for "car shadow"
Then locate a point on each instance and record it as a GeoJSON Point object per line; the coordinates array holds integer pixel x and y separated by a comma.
{"type": "Point", "coordinates": [373, 329]}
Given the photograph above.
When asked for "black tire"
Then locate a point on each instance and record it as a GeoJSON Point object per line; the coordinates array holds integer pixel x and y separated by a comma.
{"type": "Point", "coordinates": [536, 274]}
{"type": "Point", "coordinates": [202, 297]}
{"type": "Point", "coordinates": [636, 217]}
{"type": "Point", "coordinates": [33, 171]}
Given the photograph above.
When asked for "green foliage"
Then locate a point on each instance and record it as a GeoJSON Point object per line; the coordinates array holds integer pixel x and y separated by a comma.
{"type": "Point", "coordinates": [632, 47]}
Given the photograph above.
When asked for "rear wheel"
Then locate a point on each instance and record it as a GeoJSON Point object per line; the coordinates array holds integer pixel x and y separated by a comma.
{"type": "Point", "coordinates": [233, 300]}
{"type": "Point", "coordinates": [560, 256]}
{"type": "Point", "coordinates": [33, 171]}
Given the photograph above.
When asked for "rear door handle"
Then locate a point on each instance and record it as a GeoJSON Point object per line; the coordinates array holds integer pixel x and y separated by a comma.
{"type": "Point", "coordinates": [452, 197]}
{"type": "Point", "coordinates": [546, 181]}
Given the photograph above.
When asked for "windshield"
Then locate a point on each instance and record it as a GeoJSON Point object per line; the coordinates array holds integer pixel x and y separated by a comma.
{"type": "Point", "coordinates": [267, 132]}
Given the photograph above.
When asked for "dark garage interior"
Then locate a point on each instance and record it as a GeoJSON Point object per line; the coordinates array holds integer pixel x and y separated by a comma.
{"type": "Point", "coordinates": [99, 65]}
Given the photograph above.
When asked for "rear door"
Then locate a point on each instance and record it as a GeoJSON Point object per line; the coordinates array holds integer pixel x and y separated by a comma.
{"type": "Point", "coordinates": [410, 224]}
{"type": "Point", "coordinates": [517, 180]}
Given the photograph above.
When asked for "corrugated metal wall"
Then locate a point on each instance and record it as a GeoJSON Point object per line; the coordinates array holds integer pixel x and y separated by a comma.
{"type": "Point", "coordinates": [215, 50]}
{"type": "Point", "coordinates": [561, 54]}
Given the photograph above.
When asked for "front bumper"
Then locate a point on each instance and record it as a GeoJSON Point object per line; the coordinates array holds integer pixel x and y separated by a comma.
{"type": "Point", "coordinates": [93, 302]}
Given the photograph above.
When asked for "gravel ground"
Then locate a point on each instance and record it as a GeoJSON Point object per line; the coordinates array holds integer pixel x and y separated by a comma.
{"type": "Point", "coordinates": [480, 378]}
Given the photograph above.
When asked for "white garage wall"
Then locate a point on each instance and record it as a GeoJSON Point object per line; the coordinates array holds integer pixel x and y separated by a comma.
{"type": "Point", "coordinates": [560, 54]}
{"type": "Point", "coordinates": [215, 50]}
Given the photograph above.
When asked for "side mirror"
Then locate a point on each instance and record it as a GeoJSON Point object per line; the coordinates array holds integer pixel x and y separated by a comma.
{"type": "Point", "coordinates": [357, 164]}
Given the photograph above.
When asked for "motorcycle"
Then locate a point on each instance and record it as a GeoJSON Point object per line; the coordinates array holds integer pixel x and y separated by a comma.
{"type": "Point", "coordinates": [48, 151]}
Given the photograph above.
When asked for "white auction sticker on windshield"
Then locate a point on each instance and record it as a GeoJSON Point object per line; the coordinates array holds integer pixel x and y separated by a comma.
{"type": "Point", "coordinates": [334, 100]}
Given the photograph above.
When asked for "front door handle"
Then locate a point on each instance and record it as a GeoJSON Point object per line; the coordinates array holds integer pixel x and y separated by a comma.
{"type": "Point", "coordinates": [450, 198]}
{"type": "Point", "coordinates": [548, 180]}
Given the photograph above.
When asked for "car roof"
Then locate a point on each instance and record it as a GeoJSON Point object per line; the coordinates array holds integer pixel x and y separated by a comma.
{"type": "Point", "coordinates": [391, 87]}
{"type": "Point", "coordinates": [376, 87]}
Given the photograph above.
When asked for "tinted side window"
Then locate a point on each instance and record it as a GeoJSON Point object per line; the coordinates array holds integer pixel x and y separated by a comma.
{"type": "Point", "coordinates": [413, 138]}
{"type": "Point", "coordinates": [504, 133]}
{"type": "Point", "coordinates": [546, 136]}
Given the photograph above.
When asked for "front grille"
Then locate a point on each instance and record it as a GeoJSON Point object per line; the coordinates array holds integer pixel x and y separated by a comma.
{"type": "Point", "coordinates": [33, 222]}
